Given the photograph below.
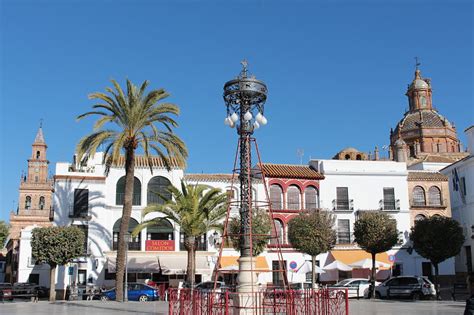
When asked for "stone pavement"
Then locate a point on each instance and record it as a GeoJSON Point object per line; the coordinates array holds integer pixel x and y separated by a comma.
{"type": "Point", "coordinates": [356, 307]}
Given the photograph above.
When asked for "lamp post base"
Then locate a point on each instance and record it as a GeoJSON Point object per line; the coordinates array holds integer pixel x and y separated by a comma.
{"type": "Point", "coordinates": [247, 297]}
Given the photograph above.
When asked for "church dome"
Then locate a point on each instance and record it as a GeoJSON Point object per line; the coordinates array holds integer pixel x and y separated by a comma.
{"type": "Point", "coordinates": [419, 84]}
{"type": "Point", "coordinates": [423, 118]}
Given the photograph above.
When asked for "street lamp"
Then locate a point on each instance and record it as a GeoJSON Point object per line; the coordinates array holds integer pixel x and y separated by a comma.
{"type": "Point", "coordinates": [245, 98]}
{"type": "Point", "coordinates": [125, 283]}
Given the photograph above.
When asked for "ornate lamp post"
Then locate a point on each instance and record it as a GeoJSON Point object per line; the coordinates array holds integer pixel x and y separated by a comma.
{"type": "Point", "coordinates": [245, 98]}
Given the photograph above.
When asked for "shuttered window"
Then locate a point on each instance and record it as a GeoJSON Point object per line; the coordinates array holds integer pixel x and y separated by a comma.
{"type": "Point", "coordinates": [311, 198]}
{"type": "Point", "coordinates": [342, 198]}
{"type": "Point", "coordinates": [293, 198]}
{"type": "Point", "coordinates": [81, 202]}
{"type": "Point", "coordinates": [419, 196]}
{"type": "Point", "coordinates": [343, 231]}
{"type": "Point", "coordinates": [388, 198]}
{"type": "Point", "coordinates": [276, 196]}
{"type": "Point", "coordinates": [434, 196]}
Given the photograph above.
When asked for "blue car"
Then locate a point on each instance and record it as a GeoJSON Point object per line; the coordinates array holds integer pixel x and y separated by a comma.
{"type": "Point", "coordinates": [136, 292]}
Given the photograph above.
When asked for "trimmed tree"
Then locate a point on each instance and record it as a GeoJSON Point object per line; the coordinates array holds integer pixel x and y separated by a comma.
{"type": "Point", "coordinates": [134, 119]}
{"type": "Point", "coordinates": [4, 231]}
{"type": "Point", "coordinates": [312, 233]}
{"type": "Point", "coordinates": [196, 209]}
{"type": "Point", "coordinates": [375, 232]}
{"type": "Point", "coordinates": [437, 238]}
{"type": "Point", "coordinates": [261, 227]}
{"type": "Point", "coordinates": [56, 246]}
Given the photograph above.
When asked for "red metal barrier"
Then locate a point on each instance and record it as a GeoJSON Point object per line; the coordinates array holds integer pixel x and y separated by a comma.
{"type": "Point", "coordinates": [268, 302]}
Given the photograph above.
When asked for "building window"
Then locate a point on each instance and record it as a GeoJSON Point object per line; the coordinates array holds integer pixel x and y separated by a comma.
{"type": "Point", "coordinates": [311, 198]}
{"type": "Point", "coordinates": [463, 185]}
{"type": "Point", "coordinates": [27, 202]}
{"type": "Point", "coordinates": [41, 203]}
{"type": "Point", "coordinates": [293, 198]}
{"type": "Point", "coordinates": [419, 196]}
{"type": "Point", "coordinates": [276, 196]}
{"type": "Point", "coordinates": [38, 154]}
{"type": "Point", "coordinates": [342, 198]}
{"type": "Point", "coordinates": [358, 157]}
{"type": "Point", "coordinates": [158, 188]}
{"type": "Point", "coordinates": [120, 192]}
{"type": "Point", "coordinates": [134, 242]}
{"type": "Point", "coordinates": [81, 277]}
{"type": "Point", "coordinates": [389, 198]}
{"type": "Point", "coordinates": [161, 230]}
{"type": "Point", "coordinates": [434, 196]}
{"type": "Point", "coordinates": [343, 231]}
{"type": "Point", "coordinates": [419, 217]}
{"type": "Point", "coordinates": [278, 270]}
{"type": "Point", "coordinates": [201, 242]}
{"type": "Point", "coordinates": [278, 232]}
{"type": "Point", "coordinates": [81, 202]}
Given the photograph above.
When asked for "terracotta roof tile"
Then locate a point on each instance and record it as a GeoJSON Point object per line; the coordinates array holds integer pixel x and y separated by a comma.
{"type": "Point", "coordinates": [156, 162]}
{"type": "Point", "coordinates": [290, 171]}
{"type": "Point", "coordinates": [426, 176]}
{"type": "Point", "coordinates": [210, 177]}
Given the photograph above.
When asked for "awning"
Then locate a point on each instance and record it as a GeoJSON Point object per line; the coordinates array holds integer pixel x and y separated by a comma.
{"type": "Point", "coordinates": [230, 263]}
{"type": "Point", "coordinates": [176, 265]}
{"type": "Point", "coordinates": [137, 264]}
{"type": "Point", "coordinates": [351, 256]}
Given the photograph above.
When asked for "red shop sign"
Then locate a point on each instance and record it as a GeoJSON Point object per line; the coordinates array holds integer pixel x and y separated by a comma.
{"type": "Point", "coordinates": [159, 245]}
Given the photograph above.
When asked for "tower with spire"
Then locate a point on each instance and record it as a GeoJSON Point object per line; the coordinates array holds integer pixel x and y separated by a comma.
{"type": "Point", "coordinates": [34, 202]}
{"type": "Point", "coordinates": [424, 132]}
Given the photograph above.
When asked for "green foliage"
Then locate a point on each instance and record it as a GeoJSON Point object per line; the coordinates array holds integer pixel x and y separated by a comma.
{"type": "Point", "coordinates": [375, 232]}
{"type": "Point", "coordinates": [312, 232]}
{"type": "Point", "coordinates": [196, 209]}
{"type": "Point", "coordinates": [133, 119]}
{"type": "Point", "coordinates": [261, 227]}
{"type": "Point", "coordinates": [437, 238]}
{"type": "Point", "coordinates": [57, 246]}
{"type": "Point", "coordinates": [4, 231]}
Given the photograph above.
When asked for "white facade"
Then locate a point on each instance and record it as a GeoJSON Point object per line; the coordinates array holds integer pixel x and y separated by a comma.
{"type": "Point", "coordinates": [461, 189]}
{"type": "Point", "coordinates": [26, 263]}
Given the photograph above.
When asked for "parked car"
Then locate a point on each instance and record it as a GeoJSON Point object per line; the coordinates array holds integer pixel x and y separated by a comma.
{"type": "Point", "coordinates": [6, 291]}
{"type": "Point", "coordinates": [136, 292]}
{"type": "Point", "coordinates": [300, 285]}
{"type": "Point", "coordinates": [414, 287]}
{"type": "Point", "coordinates": [208, 286]}
{"type": "Point", "coordinates": [28, 289]}
{"type": "Point", "coordinates": [356, 287]}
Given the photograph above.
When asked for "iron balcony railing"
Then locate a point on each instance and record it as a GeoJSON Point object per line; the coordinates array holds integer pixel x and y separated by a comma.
{"type": "Point", "coordinates": [344, 238]}
{"type": "Point", "coordinates": [343, 204]}
{"type": "Point", "coordinates": [389, 205]}
{"type": "Point", "coordinates": [79, 212]}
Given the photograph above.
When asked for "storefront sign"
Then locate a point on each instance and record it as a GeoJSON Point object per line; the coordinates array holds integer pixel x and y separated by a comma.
{"type": "Point", "coordinates": [159, 245]}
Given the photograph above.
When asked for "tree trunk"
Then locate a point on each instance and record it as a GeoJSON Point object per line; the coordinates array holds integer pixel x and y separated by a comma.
{"type": "Point", "coordinates": [190, 244]}
{"type": "Point", "coordinates": [313, 272]}
{"type": "Point", "coordinates": [372, 278]}
{"type": "Point", "coordinates": [52, 283]}
{"type": "Point", "coordinates": [126, 213]}
{"type": "Point", "coordinates": [436, 280]}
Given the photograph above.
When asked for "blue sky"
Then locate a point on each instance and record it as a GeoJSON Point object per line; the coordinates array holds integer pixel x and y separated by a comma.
{"type": "Point", "coordinates": [336, 71]}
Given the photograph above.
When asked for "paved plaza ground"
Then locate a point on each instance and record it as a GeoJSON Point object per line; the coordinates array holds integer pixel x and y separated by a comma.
{"type": "Point", "coordinates": [360, 307]}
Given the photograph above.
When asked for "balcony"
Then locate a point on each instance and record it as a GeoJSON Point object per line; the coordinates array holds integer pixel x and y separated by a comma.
{"type": "Point", "coordinates": [389, 205]}
{"type": "Point", "coordinates": [344, 238]}
{"type": "Point", "coordinates": [343, 204]}
{"type": "Point", "coordinates": [416, 204]}
{"type": "Point", "coordinates": [77, 212]}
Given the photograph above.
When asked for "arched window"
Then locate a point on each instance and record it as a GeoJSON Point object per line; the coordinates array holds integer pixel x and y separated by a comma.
{"type": "Point", "coordinates": [419, 198]}
{"type": "Point", "coordinates": [161, 230]}
{"type": "Point", "coordinates": [434, 196]}
{"type": "Point", "coordinates": [276, 196]}
{"type": "Point", "coordinates": [157, 186]}
{"type": "Point", "coordinates": [293, 198]}
{"type": "Point", "coordinates": [278, 232]}
{"type": "Point", "coordinates": [134, 242]}
{"type": "Point", "coordinates": [38, 154]}
{"type": "Point", "coordinates": [358, 157]}
{"type": "Point", "coordinates": [311, 198]}
{"type": "Point", "coordinates": [419, 217]}
{"type": "Point", "coordinates": [41, 203]}
{"type": "Point", "coordinates": [120, 192]}
{"type": "Point", "coordinates": [347, 157]}
{"type": "Point", "coordinates": [27, 202]}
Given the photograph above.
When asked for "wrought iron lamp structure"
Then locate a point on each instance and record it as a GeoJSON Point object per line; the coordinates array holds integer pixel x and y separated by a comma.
{"type": "Point", "coordinates": [245, 100]}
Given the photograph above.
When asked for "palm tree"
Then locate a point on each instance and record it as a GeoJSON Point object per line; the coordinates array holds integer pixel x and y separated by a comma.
{"type": "Point", "coordinates": [196, 209]}
{"type": "Point", "coordinates": [133, 120]}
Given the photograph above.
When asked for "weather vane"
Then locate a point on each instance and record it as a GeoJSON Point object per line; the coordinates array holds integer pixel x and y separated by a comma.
{"type": "Point", "coordinates": [41, 122]}
{"type": "Point", "coordinates": [244, 64]}
{"type": "Point", "coordinates": [417, 63]}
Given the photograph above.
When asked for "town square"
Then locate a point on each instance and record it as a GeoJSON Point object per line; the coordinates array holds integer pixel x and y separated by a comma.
{"type": "Point", "coordinates": [247, 157]}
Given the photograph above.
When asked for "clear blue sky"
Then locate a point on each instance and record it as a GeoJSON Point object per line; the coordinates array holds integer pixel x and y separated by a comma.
{"type": "Point", "coordinates": [336, 71]}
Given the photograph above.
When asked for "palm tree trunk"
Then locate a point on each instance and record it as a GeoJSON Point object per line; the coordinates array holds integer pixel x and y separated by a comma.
{"type": "Point", "coordinates": [52, 283]}
{"type": "Point", "coordinates": [372, 278]}
{"type": "Point", "coordinates": [436, 280]}
{"type": "Point", "coordinates": [190, 244]}
{"type": "Point", "coordinates": [126, 214]}
{"type": "Point", "coordinates": [313, 272]}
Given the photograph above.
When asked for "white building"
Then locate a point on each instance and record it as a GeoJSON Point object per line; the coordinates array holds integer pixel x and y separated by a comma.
{"type": "Point", "coordinates": [461, 188]}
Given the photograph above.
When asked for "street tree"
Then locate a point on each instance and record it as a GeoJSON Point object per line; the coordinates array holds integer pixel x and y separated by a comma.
{"type": "Point", "coordinates": [4, 231]}
{"type": "Point", "coordinates": [375, 232]}
{"type": "Point", "coordinates": [134, 119]}
{"type": "Point", "coordinates": [195, 209]}
{"type": "Point", "coordinates": [261, 227]}
{"type": "Point", "coordinates": [437, 238]}
{"type": "Point", "coordinates": [56, 246]}
{"type": "Point", "coordinates": [312, 232]}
